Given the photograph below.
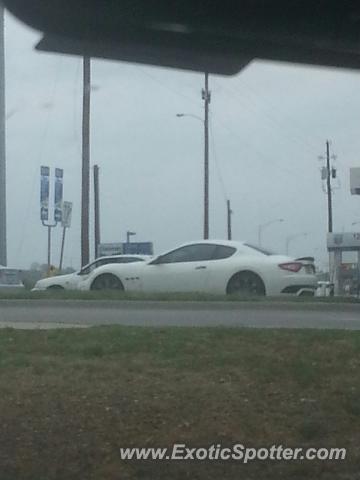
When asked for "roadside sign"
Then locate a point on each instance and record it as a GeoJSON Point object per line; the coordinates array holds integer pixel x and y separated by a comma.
{"type": "Point", "coordinates": [355, 181]}
{"type": "Point", "coordinates": [138, 248]}
{"type": "Point", "coordinates": [58, 194]}
{"type": "Point", "coordinates": [66, 214]}
{"type": "Point", "coordinates": [44, 193]}
{"type": "Point", "coordinates": [131, 248]}
{"type": "Point", "coordinates": [346, 241]}
{"type": "Point", "coordinates": [108, 249]}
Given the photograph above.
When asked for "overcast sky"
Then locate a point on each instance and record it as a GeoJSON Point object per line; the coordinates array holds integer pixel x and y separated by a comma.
{"type": "Point", "coordinates": [269, 124]}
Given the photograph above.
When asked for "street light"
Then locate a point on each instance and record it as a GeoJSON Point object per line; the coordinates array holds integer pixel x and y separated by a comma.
{"type": "Point", "coordinates": [261, 227]}
{"type": "Point", "coordinates": [292, 237]}
{"type": "Point", "coordinates": [128, 235]}
{"type": "Point", "coordinates": [206, 96]}
{"type": "Point", "coordinates": [355, 223]}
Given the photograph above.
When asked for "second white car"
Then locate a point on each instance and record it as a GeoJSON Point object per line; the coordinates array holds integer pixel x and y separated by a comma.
{"type": "Point", "coordinates": [72, 281]}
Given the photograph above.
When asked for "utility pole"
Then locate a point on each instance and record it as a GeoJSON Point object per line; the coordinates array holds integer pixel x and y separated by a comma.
{"type": "Point", "coordinates": [85, 176]}
{"type": "Point", "coordinates": [96, 210]}
{"type": "Point", "coordinates": [327, 174]}
{"type": "Point", "coordinates": [206, 96]}
{"type": "Point", "coordinates": [3, 247]}
{"type": "Point", "coordinates": [329, 191]}
{"type": "Point", "coordinates": [229, 213]}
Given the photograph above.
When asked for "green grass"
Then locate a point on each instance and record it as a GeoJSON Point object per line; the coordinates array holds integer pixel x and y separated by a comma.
{"type": "Point", "coordinates": [71, 398]}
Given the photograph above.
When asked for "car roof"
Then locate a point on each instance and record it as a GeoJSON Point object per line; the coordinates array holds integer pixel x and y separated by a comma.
{"type": "Point", "coordinates": [227, 243]}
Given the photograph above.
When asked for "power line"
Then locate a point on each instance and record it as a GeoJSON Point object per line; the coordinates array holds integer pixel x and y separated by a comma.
{"type": "Point", "coordinates": [271, 121]}
{"type": "Point", "coordinates": [289, 120]}
{"type": "Point", "coordinates": [165, 86]}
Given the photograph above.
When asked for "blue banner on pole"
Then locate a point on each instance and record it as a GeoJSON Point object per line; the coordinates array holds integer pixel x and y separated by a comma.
{"type": "Point", "coordinates": [44, 193]}
{"type": "Point", "coordinates": [58, 194]}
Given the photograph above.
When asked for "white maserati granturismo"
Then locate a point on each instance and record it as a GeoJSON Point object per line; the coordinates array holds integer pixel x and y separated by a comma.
{"type": "Point", "coordinates": [216, 267]}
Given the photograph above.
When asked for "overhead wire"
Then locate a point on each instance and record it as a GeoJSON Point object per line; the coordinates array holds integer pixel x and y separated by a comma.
{"type": "Point", "coordinates": [26, 220]}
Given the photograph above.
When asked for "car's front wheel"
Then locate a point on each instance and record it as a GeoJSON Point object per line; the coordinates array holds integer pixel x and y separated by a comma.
{"type": "Point", "coordinates": [107, 281]}
{"type": "Point", "coordinates": [246, 283]}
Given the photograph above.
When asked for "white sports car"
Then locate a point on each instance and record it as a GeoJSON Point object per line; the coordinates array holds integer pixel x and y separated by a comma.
{"type": "Point", "coordinates": [218, 267]}
{"type": "Point", "coordinates": [72, 281]}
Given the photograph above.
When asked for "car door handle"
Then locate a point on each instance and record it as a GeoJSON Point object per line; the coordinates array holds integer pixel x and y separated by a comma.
{"type": "Point", "coordinates": [201, 267]}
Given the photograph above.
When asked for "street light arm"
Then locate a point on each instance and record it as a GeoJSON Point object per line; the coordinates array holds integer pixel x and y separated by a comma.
{"type": "Point", "coordinates": [262, 226]}
{"type": "Point", "coordinates": [181, 115]}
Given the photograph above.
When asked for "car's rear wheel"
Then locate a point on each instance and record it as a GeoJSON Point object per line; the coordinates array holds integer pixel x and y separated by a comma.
{"type": "Point", "coordinates": [246, 283]}
{"type": "Point", "coordinates": [107, 281]}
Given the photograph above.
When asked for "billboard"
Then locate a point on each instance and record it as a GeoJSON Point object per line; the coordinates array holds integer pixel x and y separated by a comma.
{"type": "Point", "coordinates": [348, 241]}
{"type": "Point", "coordinates": [108, 249]}
{"type": "Point", "coordinates": [138, 248]}
{"type": "Point", "coordinates": [44, 193]}
{"type": "Point", "coordinates": [133, 248]}
{"type": "Point", "coordinates": [58, 194]}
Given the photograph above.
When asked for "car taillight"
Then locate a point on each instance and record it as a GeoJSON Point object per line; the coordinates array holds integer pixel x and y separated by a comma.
{"type": "Point", "coordinates": [291, 266]}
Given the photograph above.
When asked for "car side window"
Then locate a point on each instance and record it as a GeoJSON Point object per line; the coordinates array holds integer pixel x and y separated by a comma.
{"type": "Point", "coordinates": [128, 260]}
{"type": "Point", "coordinates": [190, 253]}
{"type": "Point", "coordinates": [223, 251]}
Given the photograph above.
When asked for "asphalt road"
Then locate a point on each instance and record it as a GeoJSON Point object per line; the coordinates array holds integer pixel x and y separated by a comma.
{"type": "Point", "coordinates": [54, 314]}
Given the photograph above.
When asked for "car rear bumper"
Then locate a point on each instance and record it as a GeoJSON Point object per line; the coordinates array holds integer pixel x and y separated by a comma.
{"type": "Point", "coordinates": [299, 289]}
{"type": "Point", "coordinates": [295, 284]}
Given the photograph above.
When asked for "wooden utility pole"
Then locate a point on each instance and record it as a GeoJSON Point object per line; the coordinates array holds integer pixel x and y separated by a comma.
{"type": "Point", "coordinates": [85, 176]}
{"type": "Point", "coordinates": [328, 187]}
{"type": "Point", "coordinates": [206, 96]}
{"type": "Point", "coordinates": [3, 246]}
{"type": "Point", "coordinates": [96, 210]}
{"type": "Point", "coordinates": [229, 213]}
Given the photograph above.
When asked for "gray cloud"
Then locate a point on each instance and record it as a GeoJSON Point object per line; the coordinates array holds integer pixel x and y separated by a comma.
{"type": "Point", "coordinates": [269, 124]}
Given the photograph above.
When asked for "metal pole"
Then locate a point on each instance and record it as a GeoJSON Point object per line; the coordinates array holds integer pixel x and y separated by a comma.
{"type": "Point", "coordinates": [3, 247]}
{"type": "Point", "coordinates": [229, 213]}
{"type": "Point", "coordinates": [85, 178]}
{"type": "Point", "coordinates": [96, 210]}
{"type": "Point", "coordinates": [206, 95]}
{"type": "Point", "coordinates": [62, 249]}
{"type": "Point", "coordinates": [49, 250]}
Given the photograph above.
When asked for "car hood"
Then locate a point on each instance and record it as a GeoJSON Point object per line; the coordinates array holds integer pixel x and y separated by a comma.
{"type": "Point", "coordinates": [60, 279]}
